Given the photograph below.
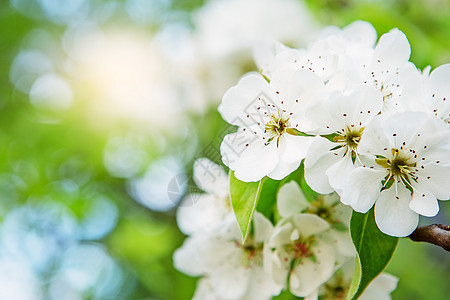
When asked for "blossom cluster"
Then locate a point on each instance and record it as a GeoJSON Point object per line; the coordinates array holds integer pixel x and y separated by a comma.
{"type": "Point", "coordinates": [308, 250]}
{"type": "Point", "coordinates": [365, 128]}
{"type": "Point", "coordinates": [364, 121]}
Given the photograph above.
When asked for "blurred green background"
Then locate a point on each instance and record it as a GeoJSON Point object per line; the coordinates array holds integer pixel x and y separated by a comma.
{"type": "Point", "coordinates": [87, 188]}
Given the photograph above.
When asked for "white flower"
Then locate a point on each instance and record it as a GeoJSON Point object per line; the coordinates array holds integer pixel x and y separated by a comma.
{"type": "Point", "coordinates": [332, 55]}
{"type": "Point", "coordinates": [409, 172]}
{"type": "Point", "coordinates": [204, 290]}
{"type": "Point", "coordinates": [387, 69]}
{"type": "Point", "coordinates": [343, 115]}
{"type": "Point", "coordinates": [268, 116]}
{"type": "Point", "coordinates": [291, 201]}
{"type": "Point", "coordinates": [380, 288]}
{"type": "Point", "coordinates": [338, 286]}
{"type": "Point", "coordinates": [298, 255]}
{"type": "Point", "coordinates": [200, 212]}
{"type": "Point", "coordinates": [429, 93]}
{"type": "Point", "coordinates": [233, 270]}
{"type": "Point", "coordinates": [356, 32]}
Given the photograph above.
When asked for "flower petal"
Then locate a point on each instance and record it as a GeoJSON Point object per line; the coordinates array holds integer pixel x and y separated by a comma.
{"type": "Point", "coordinates": [318, 160]}
{"type": "Point", "coordinates": [263, 228]}
{"type": "Point", "coordinates": [339, 173]}
{"type": "Point", "coordinates": [239, 103]}
{"type": "Point", "coordinates": [203, 214]}
{"type": "Point", "coordinates": [252, 163]}
{"type": "Point", "coordinates": [291, 200]}
{"type": "Point", "coordinates": [261, 286]}
{"type": "Point", "coordinates": [229, 282]}
{"type": "Point", "coordinates": [204, 291]}
{"type": "Point", "coordinates": [363, 188]}
{"type": "Point", "coordinates": [293, 148]}
{"type": "Point", "coordinates": [283, 169]}
{"type": "Point", "coordinates": [423, 201]}
{"type": "Point", "coordinates": [309, 224]}
{"type": "Point", "coordinates": [436, 178]}
{"type": "Point", "coordinates": [393, 48]}
{"type": "Point", "coordinates": [186, 258]}
{"type": "Point", "coordinates": [211, 177]}
{"type": "Point", "coordinates": [309, 275]}
{"type": "Point", "coordinates": [380, 288]}
{"type": "Point", "coordinates": [392, 213]}
{"type": "Point", "coordinates": [361, 31]}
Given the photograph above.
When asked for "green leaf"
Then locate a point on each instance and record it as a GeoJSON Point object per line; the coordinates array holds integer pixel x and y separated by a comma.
{"type": "Point", "coordinates": [268, 197]}
{"type": "Point", "coordinates": [374, 249]}
{"type": "Point", "coordinates": [244, 198]}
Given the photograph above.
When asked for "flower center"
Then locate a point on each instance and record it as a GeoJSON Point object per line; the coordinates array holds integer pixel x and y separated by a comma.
{"type": "Point", "coordinates": [400, 166]}
{"type": "Point", "coordinates": [326, 212]}
{"type": "Point", "coordinates": [349, 138]}
{"type": "Point", "coordinates": [253, 253]}
{"type": "Point", "coordinates": [276, 127]}
{"type": "Point", "coordinates": [336, 291]}
{"type": "Point", "coordinates": [300, 248]}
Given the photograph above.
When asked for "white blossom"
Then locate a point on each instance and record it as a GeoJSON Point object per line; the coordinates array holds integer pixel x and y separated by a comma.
{"type": "Point", "coordinates": [343, 115]}
{"type": "Point", "coordinates": [410, 170]}
{"type": "Point", "coordinates": [429, 93]}
{"type": "Point", "coordinates": [233, 270]}
{"type": "Point", "coordinates": [297, 254]}
{"type": "Point", "coordinates": [200, 212]}
{"type": "Point", "coordinates": [387, 69]}
{"type": "Point", "coordinates": [338, 286]}
{"type": "Point", "coordinates": [268, 116]}
{"type": "Point", "coordinates": [291, 201]}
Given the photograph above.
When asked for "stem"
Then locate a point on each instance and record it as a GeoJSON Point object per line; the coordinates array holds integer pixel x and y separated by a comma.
{"type": "Point", "coordinates": [437, 234]}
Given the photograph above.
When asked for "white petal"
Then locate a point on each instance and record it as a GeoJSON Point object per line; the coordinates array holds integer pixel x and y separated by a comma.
{"type": "Point", "coordinates": [211, 177]}
{"type": "Point", "coordinates": [374, 140]}
{"type": "Point", "coordinates": [393, 215]}
{"type": "Point", "coordinates": [263, 228]}
{"type": "Point", "coordinates": [339, 173]}
{"type": "Point", "coordinates": [438, 85]}
{"type": "Point", "coordinates": [343, 214]}
{"type": "Point", "coordinates": [363, 188]}
{"type": "Point", "coordinates": [204, 291]}
{"type": "Point", "coordinates": [291, 200]}
{"type": "Point", "coordinates": [355, 108]}
{"type": "Point", "coordinates": [361, 31]}
{"type": "Point", "coordinates": [254, 162]}
{"type": "Point", "coordinates": [393, 48]}
{"type": "Point", "coordinates": [186, 258]}
{"type": "Point", "coordinates": [313, 296]}
{"type": "Point", "coordinates": [295, 85]}
{"type": "Point", "coordinates": [283, 169]}
{"type": "Point", "coordinates": [341, 241]}
{"type": "Point", "coordinates": [264, 53]}
{"type": "Point", "coordinates": [309, 224]}
{"type": "Point", "coordinates": [310, 275]}
{"type": "Point", "coordinates": [281, 235]}
{"type": "Point", "coordinates": [230, 282]}
{"type": "Point", "coordinates": [261, 286]}
{"type": "Point", "coordinates": [242, 99]}
{"type": "Point", "coordinates": [280, 264]}
{"type": "Point", "coordinates": [436, 178]}
{"type": "Point", "coordinates": [201, 215]}
{"type": "Point", "coordinates": [380, 288]}
{"type": "Point", "coordinates": [294, 148]}
{"type": "Point", "coordinates": [318, 160]}
{"type": "Point", "coordinates": [423, 201]}
{"type": "Point", "coordinates": [235, 144]}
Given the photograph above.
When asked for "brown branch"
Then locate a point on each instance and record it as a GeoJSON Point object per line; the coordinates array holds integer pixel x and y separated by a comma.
{"type": "Point", "coordinates": [436, 234]}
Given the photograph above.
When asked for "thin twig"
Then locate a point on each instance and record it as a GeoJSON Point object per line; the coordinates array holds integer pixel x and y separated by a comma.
{"type": "Point", "coordinates": [436, 234]}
